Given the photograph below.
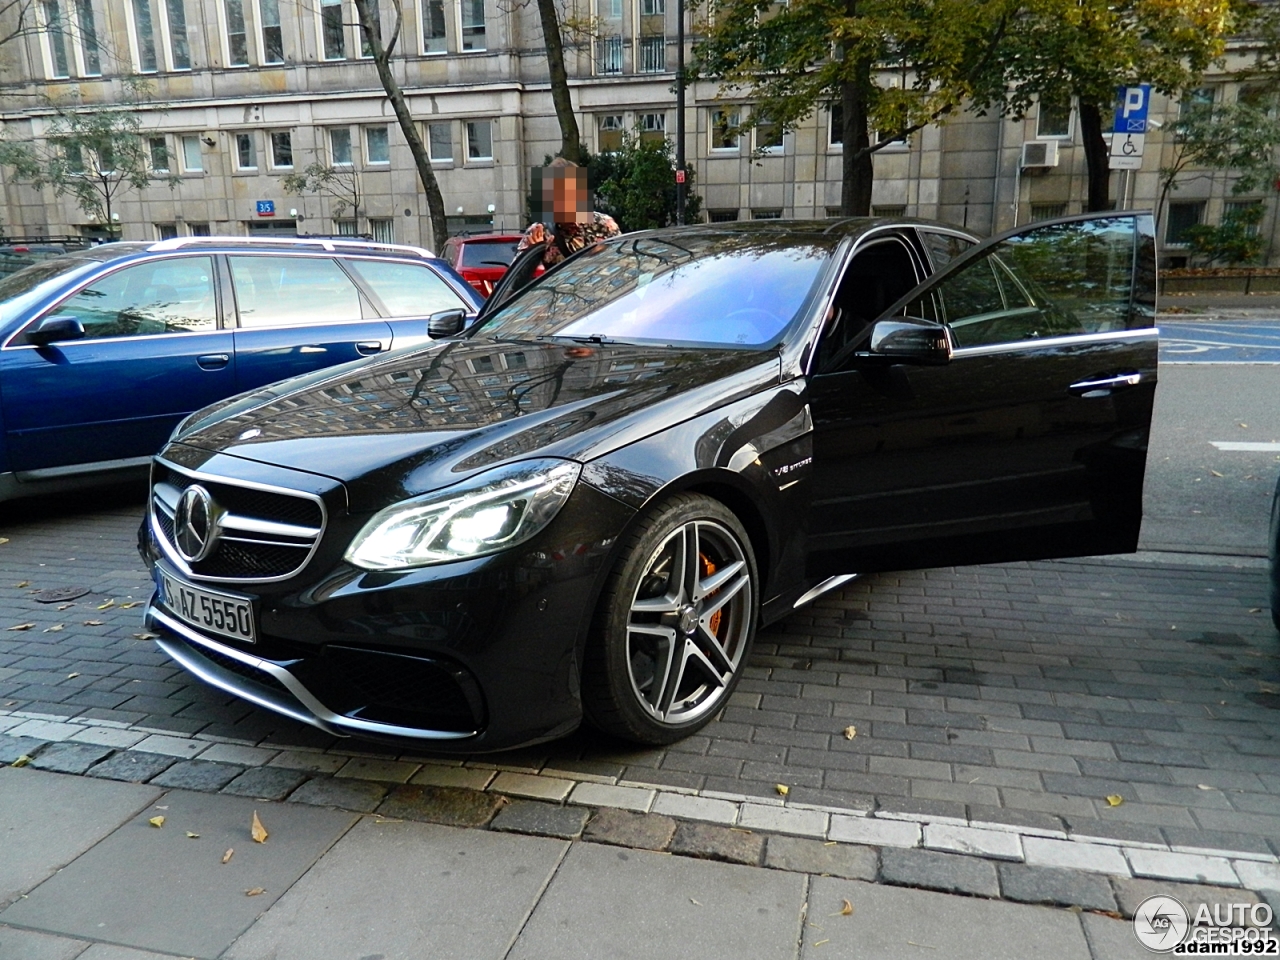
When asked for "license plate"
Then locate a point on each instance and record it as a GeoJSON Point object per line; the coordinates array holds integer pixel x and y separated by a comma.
{"type": "Point", "coordinates": [210, 610]}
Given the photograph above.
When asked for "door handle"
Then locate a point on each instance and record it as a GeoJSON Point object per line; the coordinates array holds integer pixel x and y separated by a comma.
{"type": "Point", "coordinates": [213, 361]}
{"type": "Point", "coordinates": [367, 348]}
{"type": "Point", "coordinates": [1102, 386]}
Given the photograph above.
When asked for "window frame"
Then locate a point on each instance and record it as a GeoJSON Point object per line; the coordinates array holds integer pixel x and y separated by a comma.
{"type": "Point", "coordinates": [249, 138]}
{"type": "Point", "coordinates": [224, 27]}
{"type": "Point", "coordinates": [463, 26]}
{"type": "Point", "coordinates": [478, 159]}
{"type": "Point", "coordinates": [49, 30]}
{"type": "Point", "coordinates": [424, 14]}
{"type": "Point", "coordinates": [430, 143]}
{"type": "Point", "coordinates": [271, 140]}
{"type": "Point", "coordinates": [173, 40]}
{"type": "Point", "coordinates": [734, 118]}
{"type": "Point", "coordinates": [185, 142]}
{"type": "Point", "coordinates": [334, 162]}
{"type": "Point", "coordinates": [368, 145]}
{"type": "Point", "coordinates": [323, 32]}
{"type": "Point", "coordinates": [137, 46]}
{"type": "Point", "coordinates": [151, 154]}
{"type": "Point", "coordinates": [86, 46]}
{"type": "Point", "coordinates": [1180, 243]}
{"type": "Point", "coordinates": [771, 150]}
{"type": "Point", "coordinates": [262, 28]}
{"type": "Point", "coordinates": [1070, 127]}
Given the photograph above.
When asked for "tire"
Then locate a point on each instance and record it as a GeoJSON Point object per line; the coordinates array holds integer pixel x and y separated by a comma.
{"type": "Point", "coordinates": [674, 626]}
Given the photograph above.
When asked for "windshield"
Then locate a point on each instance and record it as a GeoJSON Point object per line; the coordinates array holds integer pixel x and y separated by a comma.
{"type": "Point", "coordinates": [689, 289]}
{"type": "Point", "coordinates": [488, 253]}
{"type": "Point", "coordinates": [18, 289]}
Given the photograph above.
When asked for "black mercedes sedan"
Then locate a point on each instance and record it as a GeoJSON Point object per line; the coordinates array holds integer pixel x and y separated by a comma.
{"type": "Point", "coordinates": [586, 504]}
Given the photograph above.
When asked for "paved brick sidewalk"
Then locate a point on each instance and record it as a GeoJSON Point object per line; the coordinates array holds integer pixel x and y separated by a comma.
{"type": "Point", "coordinates": [1020, 694]}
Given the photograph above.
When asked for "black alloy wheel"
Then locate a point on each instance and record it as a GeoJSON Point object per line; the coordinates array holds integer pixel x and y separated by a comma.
{"type": "Point", "coordinates": [675, 624]}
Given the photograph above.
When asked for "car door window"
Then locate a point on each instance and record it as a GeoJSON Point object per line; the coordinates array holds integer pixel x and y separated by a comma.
{"type": "Point", "coordinates": [282, 291]}
{"type": "Point", "coordinates": [944, 247]}
{"type": "Point", "coordinates": [158, 296]}
{"type": "Point", "coordinates": [408, 289]}
{"type": "Point", "coordinates": [1063, 279]}
{"type": "Point", "coordinates": [880, 273]}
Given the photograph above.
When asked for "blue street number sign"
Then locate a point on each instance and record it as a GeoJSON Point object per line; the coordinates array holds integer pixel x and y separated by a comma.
{"type": "Point", "coordinates": [1131, 109]}
{"type": "Point", "coordinates": [266, 208]}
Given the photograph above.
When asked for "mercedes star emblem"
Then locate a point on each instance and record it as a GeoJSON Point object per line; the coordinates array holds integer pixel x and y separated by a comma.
{"type": "Point", "coordinates": [193, 524]}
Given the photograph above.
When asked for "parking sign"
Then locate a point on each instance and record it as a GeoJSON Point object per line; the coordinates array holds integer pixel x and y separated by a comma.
{"type": "Point", "coordinates": [1129, 131]}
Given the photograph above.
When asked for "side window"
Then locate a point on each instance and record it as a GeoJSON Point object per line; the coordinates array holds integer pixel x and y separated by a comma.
{"type": "Point", "coordinates": [880, 274]}
{"type": "Point", "coordinates": [284, 290]}
{"type": "Point", "coordinates": [943, 247]}
{"type": "Point", "coordinates": [408, 289]}
{"type": "Point", "coordinates": [160, 296]}
{"type": "Point", "coordinates": [1059, 280]}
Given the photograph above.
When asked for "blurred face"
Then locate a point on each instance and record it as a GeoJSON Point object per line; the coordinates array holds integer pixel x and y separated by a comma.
{"type": "Point", "coordinates": [564, 194]}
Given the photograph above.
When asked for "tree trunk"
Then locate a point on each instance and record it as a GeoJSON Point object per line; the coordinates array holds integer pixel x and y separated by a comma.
{"type": "Point", "coordinates": [1096, 157]}
{"type": "Point", "coordinates": [570, 139]}
{"type": "Point", "coordinates": [382, 61]}
{"type": "Point", "coordinates": [857, 169]}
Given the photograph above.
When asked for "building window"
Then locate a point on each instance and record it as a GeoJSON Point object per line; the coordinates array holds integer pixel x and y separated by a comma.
{"type": "Point", "coordinates": [766, 214]}
{"type": "Point", "coordinates": [724, 133]}
{"type": "Point", "coordinates": [609, 55]}
{"type": "Point", "coordinates": [433, 30]}
{"type": "Point", "coordinates": [272, 38]}
{"type": "Point", "coordinates": [344, 228]}
{"type": "Point", "coordinates": [722, 216]}
{"type": "Point", "coordinates": [145, 33]}
{"type": "Point", "coordinates": [335, 46]}
{"type": "Point", "coordinates": [282, 149]}
{"type": "Point", "coordinates": [192, 162]}
{"type": "Point", "coordinates": [609, 133]}
{"type": "Point", "coordinates": [366, 48]}
{"type": "Point", "coordinates": [179, 47]}
{"type": "Point", "coordinates": [768, 136]}
{"type": "Point", "coordinates": [440, 142]}
{"type": "Point", "coordinates": [377, 148]}
{"type": "Point", "coordinates": [382, 229]}
{"type": "Point", "coordinates": [88, 38]}
{"type": "Point", "coordinates": [166, 231]}
{"type": "Point", "coordinates": [340, 146]}
{"type": "Point", "coordinates": [653, 8]}
{"type": "Point", "coordinates": [1181, 217]}
{"type": "Point", "coordinates": [479, 140]}
{"type": "Point", "coordinates": [159, 151]}
{"type": "Point", "coordinates": [653, 126]}
{"type": "Point", "coordinates": [653, 54]}
{"type": "Point", "coordinates": [246, 152]}
{"type": "Point", "coordinates": [198, 229]}
{"type": "Point", "coordinates": [1053, 120]}
{"type": "Point", "coordinates": [56, 30]}
{"type": "Point", "coordinates": [473, 25]}
{"type": "Point", "coordinates": [1197, 99]}
{"type": "Point", "coordinates": [237, 39]}
{"type": "Point", "coordinates": [1048, 211]}
{"type": "Point", "coordinates": [887, 210]}
{"type": "Point", "coordinates": [1243, 208]}
{"type": "Point", "coordinates": [835, 125]}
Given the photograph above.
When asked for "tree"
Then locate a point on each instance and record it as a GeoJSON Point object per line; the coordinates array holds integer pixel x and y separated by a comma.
{"type": "Point", "coordinates": [1085, 49]}
{"type": "Point", "coordinates": [553, 41]}
{"type": "Point", "coordinates": [95, 154]}
{"type": "Point", "coordinates": [371, 29]}
{"type": "Point", "coordinates": [340, 184]}
{"type": "Point", "coordinates": [1236, 240]}
{"type": "Point", "coordinates": [793, 57]}
{"type": "Point", "coordinates": [1242, 137]}
{"type": "Point", "coordinates": [636, 184]}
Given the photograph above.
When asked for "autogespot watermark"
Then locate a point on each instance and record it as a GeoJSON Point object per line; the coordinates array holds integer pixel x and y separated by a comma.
{"type": "Point", "coordinates": [1163, 925]}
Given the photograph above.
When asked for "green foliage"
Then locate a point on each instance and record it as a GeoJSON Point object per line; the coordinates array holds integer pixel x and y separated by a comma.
{"type": "Point", "coordinates": [636, 185]}
{"type": "Point", "coordinates": [92, 153]}
{"type": "Point", "coordinates": [340, 184]}
{"type": "Point", "coordinates": [1236, 240]}
{"type": "Point", "coordinates": [1241, 136]}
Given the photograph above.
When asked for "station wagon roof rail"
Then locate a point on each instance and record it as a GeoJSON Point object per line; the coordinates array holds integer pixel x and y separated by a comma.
{"type": "Point", "coordinates": [325, 243]}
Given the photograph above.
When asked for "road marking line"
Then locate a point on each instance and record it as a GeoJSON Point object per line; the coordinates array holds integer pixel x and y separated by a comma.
{"type": "Point", "coordinates": [1234, 446]}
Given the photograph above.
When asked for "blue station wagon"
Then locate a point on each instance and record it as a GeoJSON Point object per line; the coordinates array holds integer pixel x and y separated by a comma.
{"type": "Point", "coordinates": [104, 351]}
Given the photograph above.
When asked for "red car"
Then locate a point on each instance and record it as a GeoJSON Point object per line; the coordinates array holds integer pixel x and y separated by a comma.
{"type": "Point", "coordinates": [482, 259]}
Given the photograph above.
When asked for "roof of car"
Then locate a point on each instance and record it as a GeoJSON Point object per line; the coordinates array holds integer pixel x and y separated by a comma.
{"type": "Point", "coordinates": [127, 248]}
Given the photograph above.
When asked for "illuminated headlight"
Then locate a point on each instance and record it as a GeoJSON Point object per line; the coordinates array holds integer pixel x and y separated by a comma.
{"type": "Point", "coordinates": [491, 512]}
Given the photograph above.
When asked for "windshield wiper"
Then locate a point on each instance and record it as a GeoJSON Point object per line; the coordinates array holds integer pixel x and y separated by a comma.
{"type": "Point", "coordinates": [589, 338]}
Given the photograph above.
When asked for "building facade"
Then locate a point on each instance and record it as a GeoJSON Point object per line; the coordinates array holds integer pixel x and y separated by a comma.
{"type": "Point", "coordinates": [246, 92]}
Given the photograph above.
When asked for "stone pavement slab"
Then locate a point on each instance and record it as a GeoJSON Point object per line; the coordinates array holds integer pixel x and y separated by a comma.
{"type": "Point", "coordinates": [1111, 939]}
{"type": "Point", "coordinates": [156, 889]}
{"type": "Point", "coordinates": [408, 890]}
{"type": "Point", "coordinates": [892, 923]}
{"type": "Point", "coordinates": [637, 905]}
{"type": "Point", "coordinates": [47, 820]}
{"type": "Point", "coordinates": [29, 945]}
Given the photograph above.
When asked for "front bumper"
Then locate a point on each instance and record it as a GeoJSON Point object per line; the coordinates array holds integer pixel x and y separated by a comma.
{"type": "Point", "coordinates": [462, 657]}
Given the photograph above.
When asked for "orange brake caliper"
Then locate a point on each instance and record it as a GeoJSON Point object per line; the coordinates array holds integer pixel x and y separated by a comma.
{"type": "Point", "coordinates": [708, 568]}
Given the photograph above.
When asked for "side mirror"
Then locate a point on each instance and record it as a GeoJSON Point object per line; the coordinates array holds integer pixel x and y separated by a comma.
{"type": "Point", "coordinates": [446, 323]}
{"type": "Point", "coordinates": [910, 341]}
{"type": "Point", "coordinates": [52, 329]}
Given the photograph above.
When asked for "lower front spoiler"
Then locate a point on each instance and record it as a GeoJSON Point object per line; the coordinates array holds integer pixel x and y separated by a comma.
{"type": "Point", "coordinates": [269, 684]}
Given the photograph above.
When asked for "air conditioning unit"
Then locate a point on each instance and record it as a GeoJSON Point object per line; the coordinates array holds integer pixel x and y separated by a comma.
{"type": "Point", "coordinates": [1040, 153]}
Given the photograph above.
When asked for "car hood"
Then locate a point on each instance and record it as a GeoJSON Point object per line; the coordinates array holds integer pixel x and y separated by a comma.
{"type": "Point", "coordinates": [417, 421]}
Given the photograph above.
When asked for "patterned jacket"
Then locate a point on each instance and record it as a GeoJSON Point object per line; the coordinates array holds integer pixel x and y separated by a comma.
{"type": "Point", "coordinates": [568, 238]}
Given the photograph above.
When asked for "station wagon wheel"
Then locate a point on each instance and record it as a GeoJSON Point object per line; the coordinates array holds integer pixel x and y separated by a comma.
{"type": "Point", "coordinates": [675, 624]}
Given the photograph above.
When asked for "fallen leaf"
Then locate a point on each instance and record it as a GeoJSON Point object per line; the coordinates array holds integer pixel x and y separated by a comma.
{"type": "Point", "coordinates": [847, 909]}
{"type": "Point", "coordinates": [22, 761]}
{"type": "Point", "coordinates": [819, 943]}
{"type": "Point", "coordinates": [193, 836]}
{"type": "Point", "coordinates": [93, 623]}
{"type": "Point", "coordinates": [1204, 786]}
{"type": "Point", "coordinates": [1243, 426]}
{"type": "Point", "coordinates": [156, 821]}
{"type": "Point", "coordinates": [1114, 799]}
{"type": "Point", "coordinates": [782, 789]}
{"type": "Point", "coordinates": [65, 606]}
{"type": "Point", "coordinates": [56, 628]}
{"type": "Point", "coordinates": [72, 676]}
{"type": "Point", "coordinates": [22, 626]}
{"type": "Point", "coordinates": [226, 857]}
{"type": "Point", "coordinates": [694, 902]}
{"type": "Point", "coordinates": [112, 603]}
{"type": "Point", "coordinates": [850, 732]}
{"type": "Point", "coordinates": [830, 843]}
{"type": "Point", "coordinates": [130, 605]}
{"type": "Point", "coordinates": [254, 891]}
{"type": "Point", "coordinates": [4, 539]}
{"type": "Point", "coordinates": [145, 636]}
{"type": "Point", "coordinates": [257, 830]}
{"type": "Point", "coordinates": [1255, 609]}
{"type": "Point", "coordinates": [22, 583]}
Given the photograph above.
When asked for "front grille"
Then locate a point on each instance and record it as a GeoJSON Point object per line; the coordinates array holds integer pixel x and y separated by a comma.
{"type": "Point", "coordinates": [262, 534]}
